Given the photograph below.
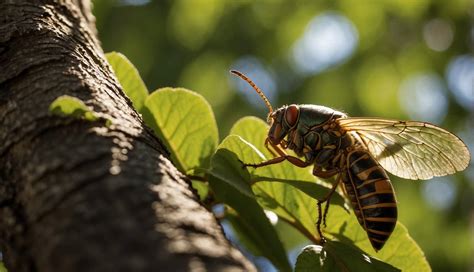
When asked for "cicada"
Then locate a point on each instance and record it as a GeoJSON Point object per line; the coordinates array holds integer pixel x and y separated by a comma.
{"type": "Point", "coordinates": [358, 152]}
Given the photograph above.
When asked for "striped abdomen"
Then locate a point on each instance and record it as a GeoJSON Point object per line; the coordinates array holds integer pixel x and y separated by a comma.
{"type": "Point", "coordinates": [371, 195]}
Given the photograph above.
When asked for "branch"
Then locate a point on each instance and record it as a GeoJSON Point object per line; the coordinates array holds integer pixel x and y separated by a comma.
{"type": "Point", "coordinates": [78, 195]}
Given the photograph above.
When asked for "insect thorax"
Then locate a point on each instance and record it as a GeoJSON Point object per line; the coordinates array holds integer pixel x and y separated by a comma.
{"type": "Point", "coordinates": [315, 139]}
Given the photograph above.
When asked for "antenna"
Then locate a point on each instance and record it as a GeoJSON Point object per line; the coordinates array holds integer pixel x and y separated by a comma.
{"type": "Point", "coordinates": [257, 89]}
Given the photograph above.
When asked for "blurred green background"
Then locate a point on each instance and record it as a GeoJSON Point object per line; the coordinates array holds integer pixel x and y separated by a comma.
{"type": "Point", "coordinates": [406, 59]}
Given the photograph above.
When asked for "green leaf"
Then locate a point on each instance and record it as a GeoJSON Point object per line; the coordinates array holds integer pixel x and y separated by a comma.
{"type": "Point", "coordinates": [400, 250]}
{"type": "Point", "coordinates": [337, 256]}
{"type": "Point", "coordinates": [128, 76]}
{"type": "Point", "coordinates": [290, 236]}
{"type": "Point", "coordinates": [247, 236]}
{"type": "Point", "coordinates": [253, 130]}
{"type": "Point", "coordinates": [309, 259]}
{"type": "Point", "coordinates": [201, 187]}
{"type": "Point", "coordinates": [71, 106]}
{"type": "Point", "coordinates": [186, 123]}
{"type": "Point", "coordinates": [2, 267]}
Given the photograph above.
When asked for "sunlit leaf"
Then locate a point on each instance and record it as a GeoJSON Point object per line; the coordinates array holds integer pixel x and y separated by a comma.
{"type": "Point", "coordinates": [290, 236]}
{"type": "Point", "coordinates": [337, 256]}
{"type": "Point", "coordinates": [71, 106]}
{"type": "Point", "coordinates": [186, 124]}
{"type": "Point", "coordinates": [289, 204]}
{"type": "Point", "coordinates": [253, 130]}
{"type": "Point", "coordinates": [2, 267]}
{"type": "Point", "coordinates": [128, 76]}
{"type": "Point", "coordinates": [400, 250]}
{"type": "Point", "coordinates": [201, 188]}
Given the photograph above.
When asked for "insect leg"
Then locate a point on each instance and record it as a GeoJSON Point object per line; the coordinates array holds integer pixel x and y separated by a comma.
{"type": "Point", "coordinates": [267, 141]}
{"type": "Point", "coordinates": [293, 160]}
{"type": "Point", "coordinates": [317, 171]}
{"type": "Point", "coordinates": [283, 156]}
{"type": "Point", "coordinates": [265, 163]}
{"type": "Point", "coordinates": [275, 147]}
{"type": "Point", "coordinates": [327, 198]}
{"type": "Point", "coordinates": [333, 189]}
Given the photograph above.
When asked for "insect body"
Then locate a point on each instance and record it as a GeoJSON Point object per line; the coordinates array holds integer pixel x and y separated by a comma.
{"type": "Point", "coordinates": [357, 151]}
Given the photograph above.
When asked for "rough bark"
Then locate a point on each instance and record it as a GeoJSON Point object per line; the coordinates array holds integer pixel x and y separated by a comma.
{"type": "Point", "coordinates": [77, 195]}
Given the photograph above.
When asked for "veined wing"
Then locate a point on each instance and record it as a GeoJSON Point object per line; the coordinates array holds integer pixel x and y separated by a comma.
{"type": "Point", "coordinates": [409, 149]}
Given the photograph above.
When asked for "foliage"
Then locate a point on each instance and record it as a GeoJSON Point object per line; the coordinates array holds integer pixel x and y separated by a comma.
{"type": "Point", "coordinates": [132, 83]}
{"type": "Point", "coordinates": [187, 129]}
{"type": "Point", "coordinates": [71, 106]}
{"type": "Point", "coordinates": [248, 194]}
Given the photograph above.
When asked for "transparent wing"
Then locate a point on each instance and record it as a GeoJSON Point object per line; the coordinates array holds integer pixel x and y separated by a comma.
{"type": "Point", "coordinates": [408, 149]}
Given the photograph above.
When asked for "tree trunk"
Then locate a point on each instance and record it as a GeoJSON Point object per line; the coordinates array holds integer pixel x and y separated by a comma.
{"type": "Point", "coordinates": [77, 195]}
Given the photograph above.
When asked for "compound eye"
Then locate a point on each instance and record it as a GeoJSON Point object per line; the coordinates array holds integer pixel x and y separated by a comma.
{"type": "Point", "coordinates": [291, 115]}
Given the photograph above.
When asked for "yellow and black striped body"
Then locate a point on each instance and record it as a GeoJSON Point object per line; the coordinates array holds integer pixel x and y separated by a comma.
{"type": "Point", "coordinates": [372, 197]}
